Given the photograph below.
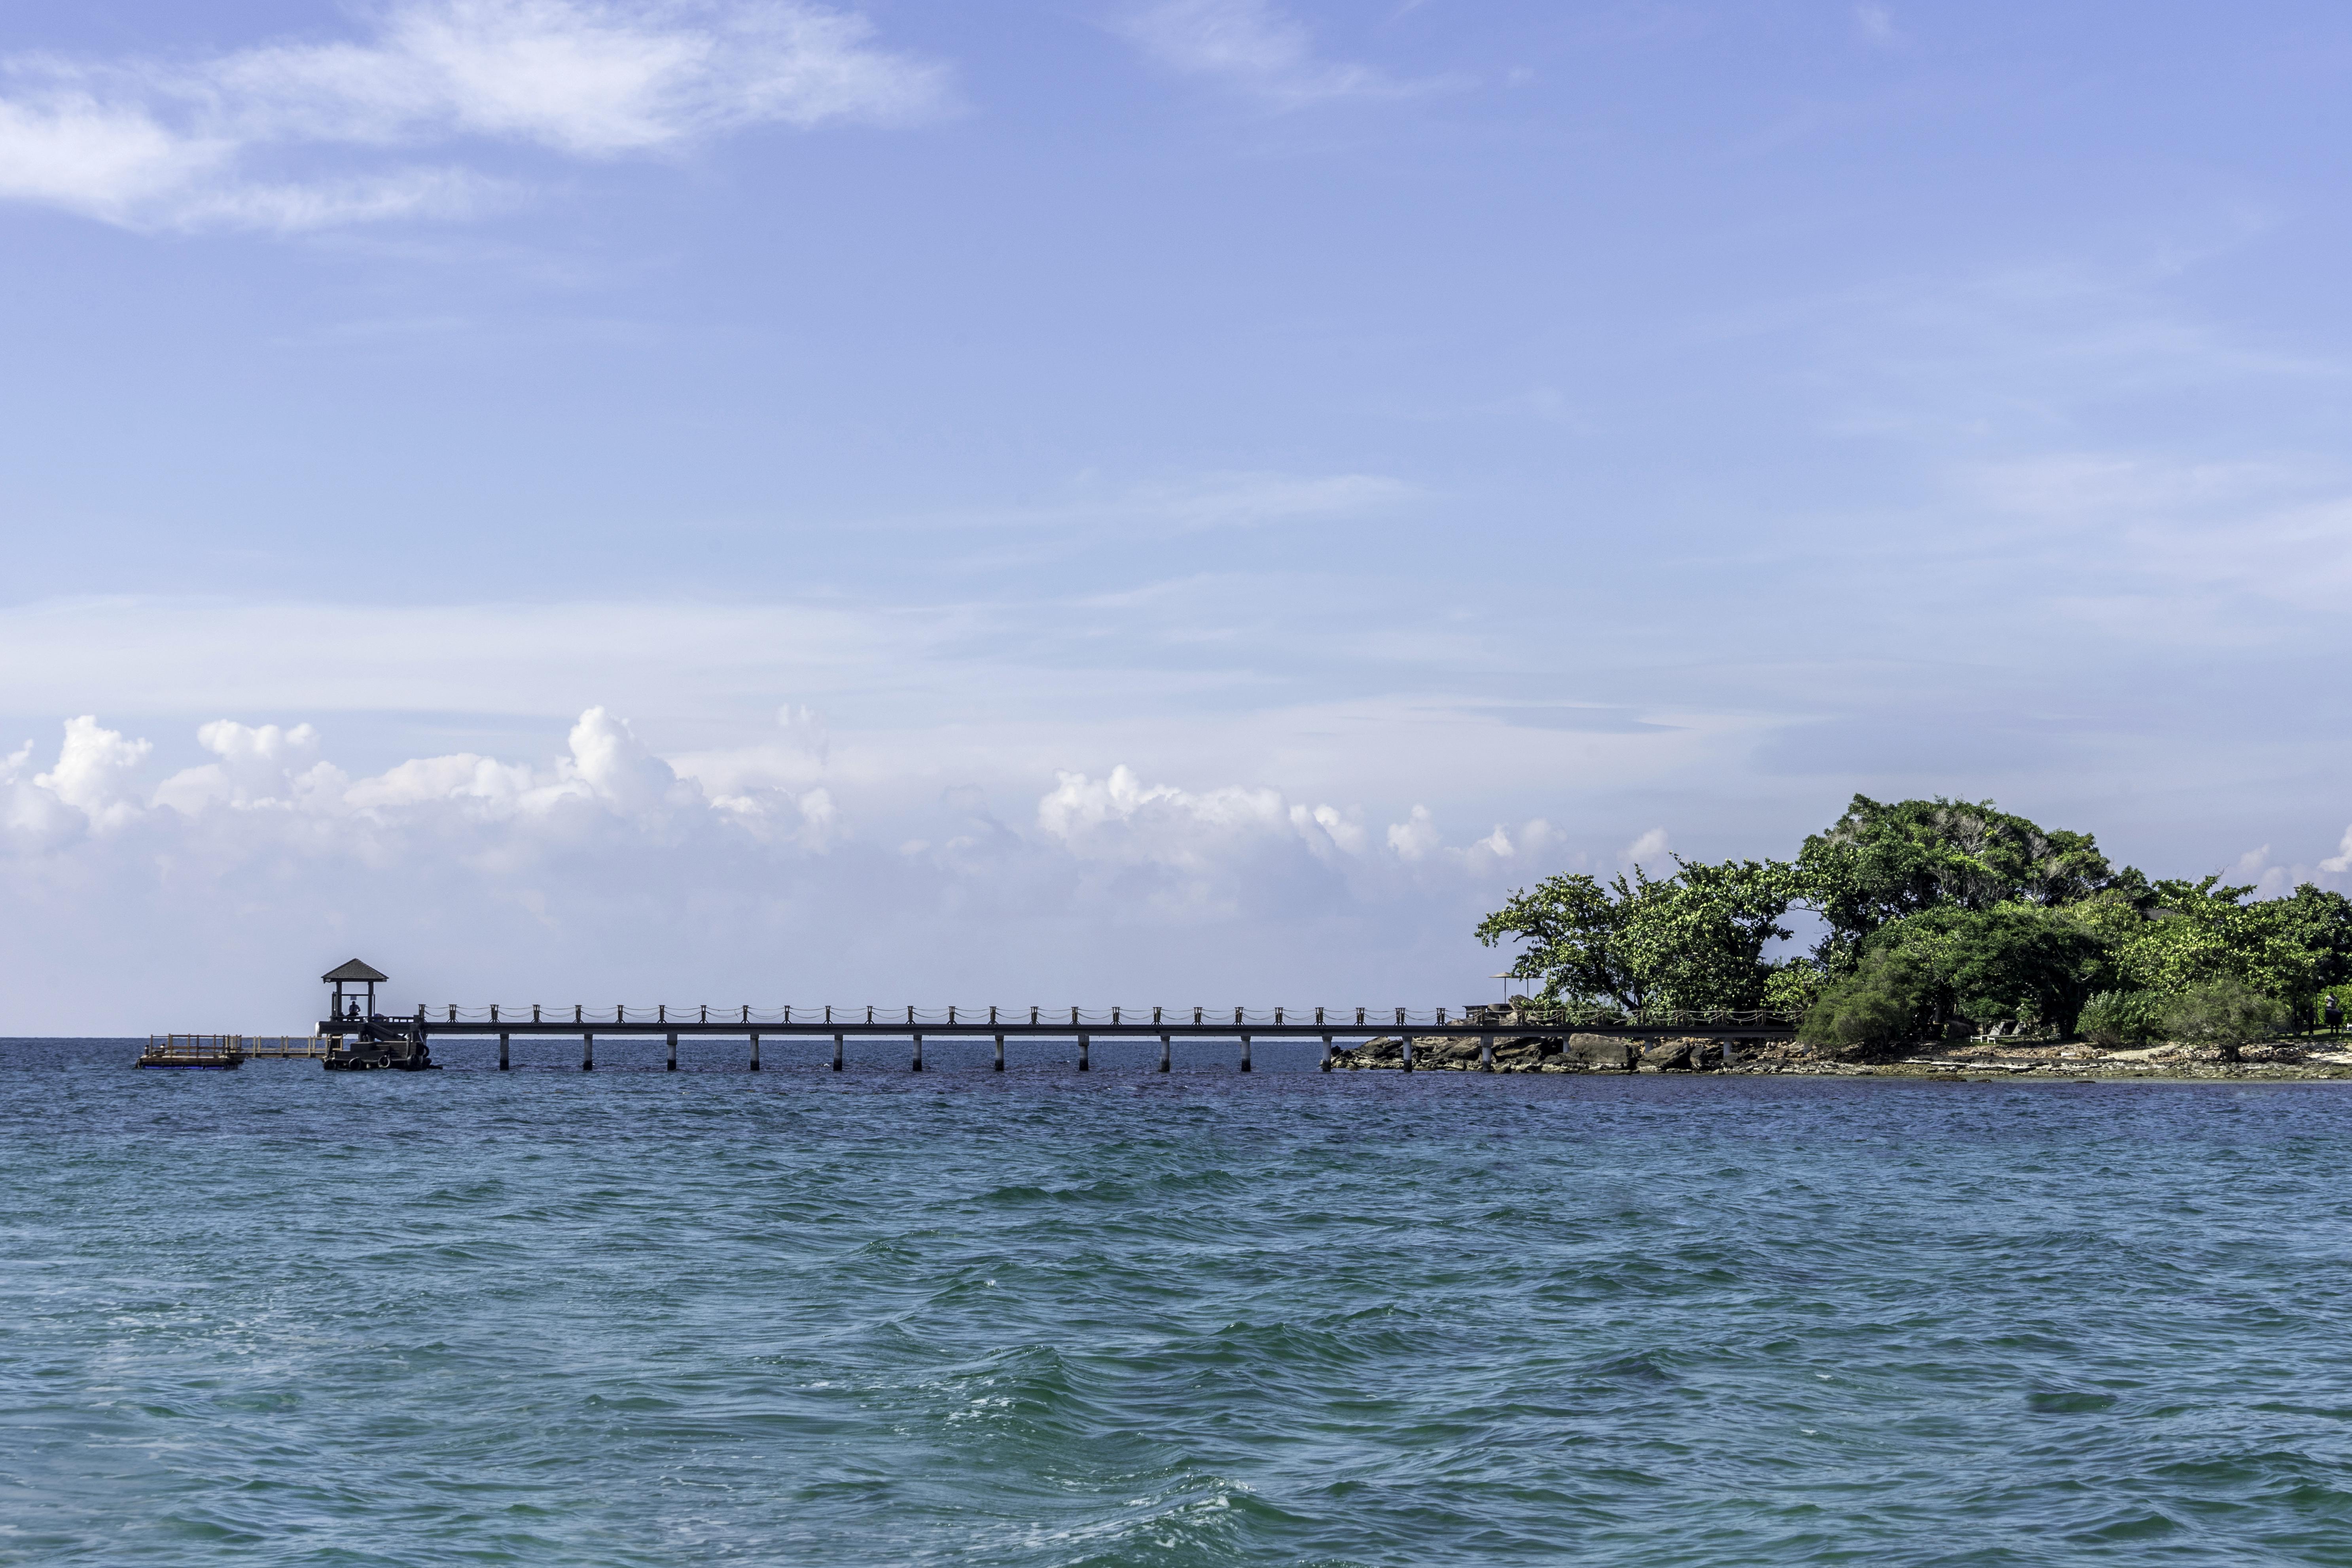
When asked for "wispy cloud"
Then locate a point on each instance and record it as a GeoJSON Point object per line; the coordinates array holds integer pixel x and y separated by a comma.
{"type": "Point", "coordinates": [1254, 47]}
{"type": "Point", "coordinates": [149, 143]}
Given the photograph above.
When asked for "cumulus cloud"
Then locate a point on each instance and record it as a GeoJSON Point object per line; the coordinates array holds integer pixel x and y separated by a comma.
{"type": "Point", "coordinates": [258, 769]}
{"type": "Point", "coordinates": [1120, 817]}
{"type": "Point", "coordinates": [1253, 47]}
{"type": "Point", "coordinates": [95, 773]}
{"type": "Point", "coordinates": [1647, 850]}
{"type": "Point", "coordinates": [147, 142]}
{"type": "Point", "coordinates": [604, 855]}
{"type": "Point", "coordinates": [1415, 836]}
{"type": "Point", "coordinates": [2341, 860]}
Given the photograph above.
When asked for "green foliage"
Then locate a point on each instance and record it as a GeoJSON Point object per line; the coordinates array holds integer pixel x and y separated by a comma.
{"type": "Point", "coordinates": [2200, 933]}
{"type": "Point", "coordinates": [2225, 1013]}
{"type": "Point", "coordinates": [1792, 988]}
{"type": "Point", "coordinates": [2116, 1018]}
{"type": "Point", "coordinates": [2011, 960]}
{"type": "Point", "coordinates": [1879, 863]}
{"type": "Point", "coordinates": [1937, 910]}
{"type": "Point", "coordinates": [1693, 940]}
{"type": "Point", "coordinates": [1876, 1006]}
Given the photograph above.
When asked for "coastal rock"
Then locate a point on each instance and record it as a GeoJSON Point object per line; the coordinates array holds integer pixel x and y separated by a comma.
{"type": "Point", "coordinates": [1667, 1056]}
{"type": "Point", "coordinates": [1598, 1053]}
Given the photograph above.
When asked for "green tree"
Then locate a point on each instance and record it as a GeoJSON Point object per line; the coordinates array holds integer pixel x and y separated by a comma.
{"type": "Point", "coordinates": [2201, 933]}
{"type": "Point", "coordinates": [1694, 940]}
{"type": "Point", "coordinates": [2012, 960]}
{"type": "Point", "coordinates": [1881, 862]}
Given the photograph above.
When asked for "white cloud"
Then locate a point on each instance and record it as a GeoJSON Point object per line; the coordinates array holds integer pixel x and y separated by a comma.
{"type": "Point", "coordinates": [1648, 848]}
{"type": "Point", "coordinates": [257, 769]}
{"type": "Point", "coordinates": [2341, 860]}
{"type": "Point", "coordinates": [1119, 817]}
{"type": "Point", "coordinates": [1255, 47]}
{"type": "Point", "coordinates": [1876, 25]}
{"type": "Point", "coordinates": [96, 770]}
{"type": "Point", "coordinates": [1415, 836]}
{"type": "Point", "coordinates": [146, 142]}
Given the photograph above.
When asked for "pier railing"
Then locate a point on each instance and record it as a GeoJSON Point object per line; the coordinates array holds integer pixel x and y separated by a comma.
{"type": "Point", "coordinates": [179, 1050]}
{"type": "Point", "coordinates": [1475, 1016]}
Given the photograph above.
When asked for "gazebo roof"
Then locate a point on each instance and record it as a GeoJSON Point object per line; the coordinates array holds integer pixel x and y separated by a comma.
{"type": "Point", "coordinates": [354, 969]}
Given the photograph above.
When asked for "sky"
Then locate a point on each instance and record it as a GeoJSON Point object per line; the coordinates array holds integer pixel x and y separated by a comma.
{"type": "Point", "coordinates": [1145, 501]}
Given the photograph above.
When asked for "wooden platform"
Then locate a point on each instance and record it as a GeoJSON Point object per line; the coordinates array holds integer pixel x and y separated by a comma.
{"type": "Point", "coordinates": [222, 1053]}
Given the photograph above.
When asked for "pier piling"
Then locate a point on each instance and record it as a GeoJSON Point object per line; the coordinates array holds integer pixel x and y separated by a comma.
{"type": "Point", "coordinates": [673, 1055]}
{"type": "Point", "coordinates": [836, 1053]}
{"type": "Point", "coordinates": [1000, 1049]}
{"type": "Point", "coordinates": [1326, 1053]}
{"type": "Point", "coordinates": [919, 1051]}
{"type": "Point", "coordinates": [587, 1053]}
{"type": "Point", "coordinates": [1164, 1049]}
{"type": "Point", "coordinates": [1485, 1052]}
{"type": "Point", "coordinates": [755, 1054]}
{"type": "Point", "coordinates": [1082, 1065]}
{"type": "Point", "coordinates": [1245, 1061]}
{"type": "Point", "coordinates": [502, 1053]}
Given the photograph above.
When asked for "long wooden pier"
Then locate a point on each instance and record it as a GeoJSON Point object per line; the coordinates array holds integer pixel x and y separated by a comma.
{"type": "Point", "coordinates": [1331, 1026]}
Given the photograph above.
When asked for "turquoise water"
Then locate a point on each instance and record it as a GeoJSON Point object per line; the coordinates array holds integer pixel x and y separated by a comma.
{"type": "Point", "coordinates": [282, 1316]}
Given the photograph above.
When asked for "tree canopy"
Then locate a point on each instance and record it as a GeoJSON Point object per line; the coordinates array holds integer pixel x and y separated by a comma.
{"type": "Point", "coordinates": [1931, 911]}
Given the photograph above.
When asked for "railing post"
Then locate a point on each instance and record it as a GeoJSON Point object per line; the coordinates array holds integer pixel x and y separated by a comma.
{"type": "Point", "coordinates": [502, 1053]}
{"type": "Point", "coordinates": [1084, 1065]}
{"type": "Point", "coordinates": [673, 1055]}
{"type": "Point", "coordinates": [587, 1053]}
{"type": "Point", "coordinates": [661, 1013]}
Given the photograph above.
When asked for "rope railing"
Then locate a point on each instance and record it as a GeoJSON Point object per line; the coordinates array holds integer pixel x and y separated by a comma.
{"type": "Point", "coordinates": [1498, 1017]}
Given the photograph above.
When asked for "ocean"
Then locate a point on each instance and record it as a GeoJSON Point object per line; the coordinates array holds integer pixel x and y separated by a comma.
{"type": "Point", "coordinates": [285, 1316]}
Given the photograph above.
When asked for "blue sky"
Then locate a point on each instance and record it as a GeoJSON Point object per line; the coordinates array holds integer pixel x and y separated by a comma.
{"type": "Point", "coordinates": [1139, 502]}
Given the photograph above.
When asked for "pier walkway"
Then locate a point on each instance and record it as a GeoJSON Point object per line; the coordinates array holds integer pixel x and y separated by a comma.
{"type": "Point", "coordinates": [1334, 1028]}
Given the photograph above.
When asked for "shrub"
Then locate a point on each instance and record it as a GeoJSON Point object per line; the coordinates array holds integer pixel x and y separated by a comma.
{"type": "Point", "coordinates": [2224, 1013]}
{"type": "Point", "coordinates": [2113, 1018]}
{"type": "Point", "coordinates": [1873, 1008]}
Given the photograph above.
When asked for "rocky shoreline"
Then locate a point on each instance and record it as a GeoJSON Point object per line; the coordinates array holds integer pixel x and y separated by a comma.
{"type": "Point", "coordinates": [1987, 1061]}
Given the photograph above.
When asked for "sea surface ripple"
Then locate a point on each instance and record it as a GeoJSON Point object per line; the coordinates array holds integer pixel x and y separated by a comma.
{"type": "Point", "coordinates": [282, 1316]}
